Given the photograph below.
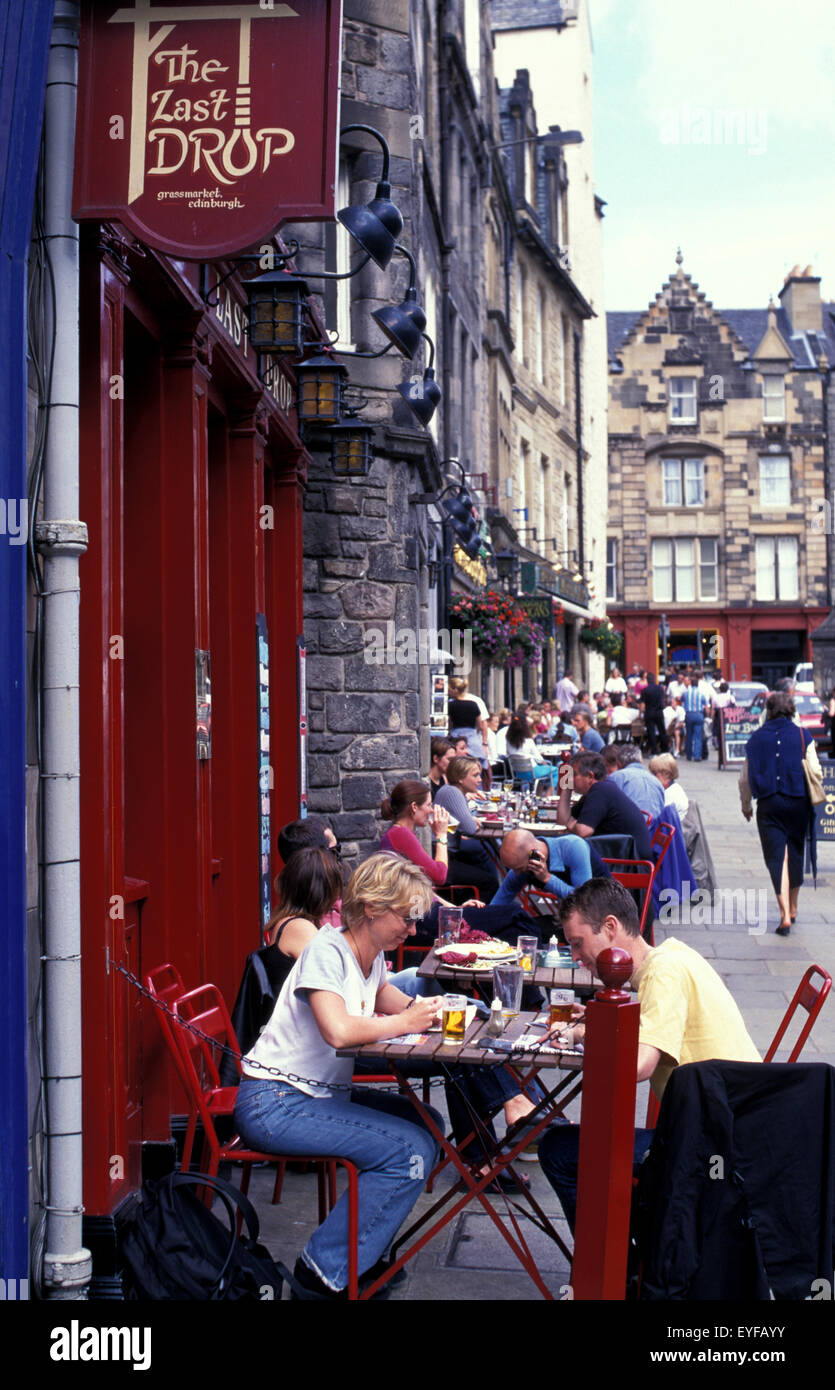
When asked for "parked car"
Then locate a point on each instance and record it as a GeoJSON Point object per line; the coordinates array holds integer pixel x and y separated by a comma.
{"type": "Point", "coordinates": [809, 710]}
{"type": "Point", "coordinates": [744, 692]}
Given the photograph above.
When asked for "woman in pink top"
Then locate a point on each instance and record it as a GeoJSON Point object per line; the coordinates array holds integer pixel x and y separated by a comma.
{"type": "Point", "coordinates": [410, 807]}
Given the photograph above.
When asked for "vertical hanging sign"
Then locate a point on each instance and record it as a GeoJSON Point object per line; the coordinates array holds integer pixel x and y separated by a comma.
{"type": "Point", "coordinates": [201, 128]}
{"type": "Point", "coordinates": [264, 768]}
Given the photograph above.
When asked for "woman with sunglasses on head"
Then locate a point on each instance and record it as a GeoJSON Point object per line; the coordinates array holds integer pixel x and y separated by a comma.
{"type": "Point", "coordinates": [330, 999]}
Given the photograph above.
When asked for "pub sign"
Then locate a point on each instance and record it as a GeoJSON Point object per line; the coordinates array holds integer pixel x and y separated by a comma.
{"type": "Point", "coordinates": [202, 127]}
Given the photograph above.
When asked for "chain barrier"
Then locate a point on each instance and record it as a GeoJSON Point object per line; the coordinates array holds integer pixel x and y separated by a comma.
{"type": "Point", "coordinates": [288, 1076]}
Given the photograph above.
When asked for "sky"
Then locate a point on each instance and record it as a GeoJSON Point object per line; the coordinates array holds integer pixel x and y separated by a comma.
{"type": "Point", "coordinates": [714, 126]}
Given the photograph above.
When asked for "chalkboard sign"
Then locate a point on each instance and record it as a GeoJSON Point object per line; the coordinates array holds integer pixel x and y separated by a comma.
{"type": "Point", "coordinates": [736, 725]}
{"type": "Point", "coordinates": [825, 812]}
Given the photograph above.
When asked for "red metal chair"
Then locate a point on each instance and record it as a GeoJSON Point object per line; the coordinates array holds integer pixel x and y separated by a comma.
{"type": "Point", "coordinates": [807, 996]}
{"type": "Point", "coordinates": [205, 1009]}
{"type": "Point", "coordinates": [637, 875]}
{"type": "Point", "coordinates": [661, 840]}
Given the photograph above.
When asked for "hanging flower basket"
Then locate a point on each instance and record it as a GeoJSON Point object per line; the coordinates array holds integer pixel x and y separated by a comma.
{"type": "Point", "coordinates": [502, 634]}
{"type": "Point", "coordinates": [602, 636]}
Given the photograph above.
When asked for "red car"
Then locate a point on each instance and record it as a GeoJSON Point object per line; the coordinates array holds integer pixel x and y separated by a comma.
{"type": "Point", "coordinates": [810, 710]}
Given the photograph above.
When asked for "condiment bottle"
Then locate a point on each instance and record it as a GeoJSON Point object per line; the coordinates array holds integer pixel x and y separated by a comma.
{"type": "Point", "coordinates": [495, 1023]}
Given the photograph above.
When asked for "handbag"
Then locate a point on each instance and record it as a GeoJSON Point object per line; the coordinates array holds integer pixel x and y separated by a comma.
{"type": "Point", "coordinates": [814, 781]}
{"type": "Point", "coordinates": [174, 1247]}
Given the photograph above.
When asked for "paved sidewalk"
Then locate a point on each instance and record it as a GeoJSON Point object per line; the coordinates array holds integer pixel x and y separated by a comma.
{"type": "Point", "coordinates": [469, 1260]}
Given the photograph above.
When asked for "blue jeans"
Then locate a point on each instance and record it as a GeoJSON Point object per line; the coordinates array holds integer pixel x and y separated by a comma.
{"type": "Point", "coordinates": [694, 725]}
{"type": "Point", "coordinates": [559, 1150]}
{"type": "Point", "coordinates": [381, 1133]}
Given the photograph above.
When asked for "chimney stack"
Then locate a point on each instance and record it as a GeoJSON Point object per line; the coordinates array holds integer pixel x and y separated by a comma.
{"type": "Point", "coordinates": [801, 299]}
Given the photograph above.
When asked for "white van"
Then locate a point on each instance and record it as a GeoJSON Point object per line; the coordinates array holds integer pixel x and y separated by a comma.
{"type": "Point", "coordinates": [803, 678]}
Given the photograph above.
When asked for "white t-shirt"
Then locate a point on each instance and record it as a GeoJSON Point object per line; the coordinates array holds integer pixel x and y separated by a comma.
{"type": "Point", "coordinates": [673, 714]}
{"type": "Point", "coordinates": [616, 684]}
{"type": "Point", "coordinates": [675, 688]}
{"type": "Point", "coordinates": [527, 757]}
{"type": "Point", "coordinates": [291, 1041]}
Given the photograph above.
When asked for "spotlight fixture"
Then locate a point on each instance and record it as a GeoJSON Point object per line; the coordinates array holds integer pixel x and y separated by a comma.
{"type": "Point", "coordinates": [403, 324]}
{"type": "Point", "coordinates": [422, 397]}
{"type": "Point", "coordinates": [377, 225]}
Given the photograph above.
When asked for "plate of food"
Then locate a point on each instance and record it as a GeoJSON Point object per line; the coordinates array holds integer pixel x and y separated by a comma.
{"type": "Point", "coordinates": [477, 955]}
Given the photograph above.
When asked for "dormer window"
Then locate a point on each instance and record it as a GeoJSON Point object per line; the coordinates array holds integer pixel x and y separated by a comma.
{"type": "Point", "coordinates": [774, 399]}
{"type": "Point", "coordinates": [684, 408]}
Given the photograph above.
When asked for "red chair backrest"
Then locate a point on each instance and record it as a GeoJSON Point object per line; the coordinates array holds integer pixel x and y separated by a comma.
{"type": "Point", "coordinates": [635, 874]}
{"type": "Point", "coordinates": [206, 1009]}
{"type": "Point", "coordinates": [808, 996]}
{"type": "Point", "coordinates": [662, 839]}
{"type": "Point", "coordinates": [165, 983]}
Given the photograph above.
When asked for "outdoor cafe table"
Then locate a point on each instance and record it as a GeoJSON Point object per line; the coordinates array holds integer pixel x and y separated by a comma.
{"type": "Point", "coordinates": [557, 1073]}
{"type": "Point", "coordinates": [579, 978]}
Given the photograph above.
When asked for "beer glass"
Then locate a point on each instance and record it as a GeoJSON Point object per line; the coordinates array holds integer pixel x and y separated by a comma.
{"type": "Point", "coordinates": [560, 1006]}
{"type": "Point", "coordinates": [454, 1018]}
{"type": "Point", "coordinates": [507, 987]}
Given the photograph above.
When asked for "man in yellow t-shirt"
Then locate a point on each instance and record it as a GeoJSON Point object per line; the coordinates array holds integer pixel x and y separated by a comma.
{"type": "Point", "coordinates": [687, 1012]}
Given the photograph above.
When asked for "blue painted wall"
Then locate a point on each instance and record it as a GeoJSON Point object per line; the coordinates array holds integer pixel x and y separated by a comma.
{"type": "Point", "coordinates": [24, 49]}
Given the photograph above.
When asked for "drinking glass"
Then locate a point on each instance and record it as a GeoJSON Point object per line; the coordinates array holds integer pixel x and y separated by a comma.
{"type": "Point", "coordinates": [527, 946]}
{"type": "Point", "coordinates": [454, 1018]}
{"type": "Point", "coordinates": [449, 925]}
{"type": "Point", "coordinates": [560, 1005]}
{"type": "Point", "coordinates": [507, 987]}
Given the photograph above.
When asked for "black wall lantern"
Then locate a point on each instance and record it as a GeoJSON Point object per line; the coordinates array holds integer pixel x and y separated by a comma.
{"type": "Point", "coordinates": [377, 225]}
{"type": "Point", "coordinates": [351, 446]}
{"type": "Point", "coordinates": [321, 382]}
{"type": "Point", "coordinates": [276, 312]}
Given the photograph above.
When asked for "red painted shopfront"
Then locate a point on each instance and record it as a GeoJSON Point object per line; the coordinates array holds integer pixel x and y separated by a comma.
{"type": "Point", "coordinates": [734, 641]}
{"type": "Point", "coordinates": [191, 483]}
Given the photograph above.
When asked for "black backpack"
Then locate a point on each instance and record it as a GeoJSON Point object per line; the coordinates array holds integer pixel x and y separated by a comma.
{"type": "Point", "coordinates": [174, 1247]}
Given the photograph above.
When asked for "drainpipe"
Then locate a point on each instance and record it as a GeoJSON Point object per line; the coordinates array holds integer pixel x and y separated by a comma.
{"type": "Point", "coordinates": [578, 431]}
{"type": "Point", "coordinates": [61, 539]}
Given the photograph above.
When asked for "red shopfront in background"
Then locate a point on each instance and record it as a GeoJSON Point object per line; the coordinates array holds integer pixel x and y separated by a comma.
{"type": "Point", "coordinates": [192, 475]}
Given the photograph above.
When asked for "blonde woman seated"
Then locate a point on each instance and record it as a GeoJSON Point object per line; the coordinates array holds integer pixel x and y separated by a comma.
{"type": "Point", "coordinates": [665, 768]}
{"type": "Point", "coordinates": [338, 995]}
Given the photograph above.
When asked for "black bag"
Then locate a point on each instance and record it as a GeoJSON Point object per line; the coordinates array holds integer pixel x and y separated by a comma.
{"type": "Point", "coordinates": [174, 1247]}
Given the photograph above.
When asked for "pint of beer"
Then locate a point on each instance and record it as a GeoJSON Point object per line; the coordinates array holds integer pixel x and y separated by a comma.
{"type": "Point", "coordinates": [454, 1017]}
{"type": "Point", "coordinates": [561, 1004]}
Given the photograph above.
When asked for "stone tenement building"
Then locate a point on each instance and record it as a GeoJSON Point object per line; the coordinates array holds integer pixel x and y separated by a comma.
{"type": "Point", "coordinates": [378, 552]}
{"type": "Point", "coordinates": [717, 478]}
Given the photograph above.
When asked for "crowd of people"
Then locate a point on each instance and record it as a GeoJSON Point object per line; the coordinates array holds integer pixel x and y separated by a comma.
{"type": "Point", "coordinates": [330, 943]}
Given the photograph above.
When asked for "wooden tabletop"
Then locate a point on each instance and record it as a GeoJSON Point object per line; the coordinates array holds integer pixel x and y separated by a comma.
{"type": "Point", "coordinates": [579, 979]}
{"type": "Point", "coordinates": [435, 1049]}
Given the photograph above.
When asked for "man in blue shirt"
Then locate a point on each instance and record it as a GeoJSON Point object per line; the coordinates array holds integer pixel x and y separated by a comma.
{"type": "Point", "coordinates": [527, 859]}
{"type": "Point", "coordinates": [581, 718]}
{"type": "Point", "coordinates": [632, 777]}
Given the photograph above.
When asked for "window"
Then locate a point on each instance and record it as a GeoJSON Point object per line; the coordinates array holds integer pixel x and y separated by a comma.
{"type": "Point", "coordinates": [337, 293]}
{"type": "Point", "coordinates": [776, 560]}
{"type": "Point", "coordinates": [775, 484]}
{"type": "Point", "coordinates": [520, 313]}
{"type": "Point", "coordinates": [539, 329]}
{"type": "Point", "coordinates": [774, 398]}
{"type": "Point", "coordinates": [611, 571]}
{"type": "Point", "coordinates": [683, 482]}
{"type": "Point", "coordinates": [683, 407]}
{"type": "Point", "coordinates": [674, 566]}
